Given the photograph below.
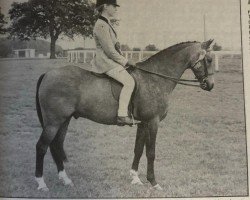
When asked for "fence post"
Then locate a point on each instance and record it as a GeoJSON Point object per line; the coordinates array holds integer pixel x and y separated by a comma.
{"type": "Point", "coordinates": [68, 56]}
{"type": "Point", "coordinates": [216, 62]}
{"type": "Point", "coordinates": [140, 55]}
{"type": "Point", "coordinates": [126, 54]}
{"type": "Point", "coordinates": [76, 56]}
{"type": "Point", "coordinates": [84, 59]}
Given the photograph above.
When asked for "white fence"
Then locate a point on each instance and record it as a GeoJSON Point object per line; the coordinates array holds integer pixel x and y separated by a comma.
{"type": "Point", "coordinates": [85, 56]}
{"type": "Point", "coordinates": [219, 54]}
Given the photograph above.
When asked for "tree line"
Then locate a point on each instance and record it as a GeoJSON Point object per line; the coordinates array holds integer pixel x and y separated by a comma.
{"type": "Point", "coordinates": [53, 19]}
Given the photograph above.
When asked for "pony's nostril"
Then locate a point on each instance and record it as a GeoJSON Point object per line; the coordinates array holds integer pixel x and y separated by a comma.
{"type": "Point", "coordinates": [207, 85]}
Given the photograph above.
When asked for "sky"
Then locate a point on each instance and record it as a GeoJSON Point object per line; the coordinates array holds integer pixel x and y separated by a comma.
{"type": "Point", "coordinates": [167, 22]}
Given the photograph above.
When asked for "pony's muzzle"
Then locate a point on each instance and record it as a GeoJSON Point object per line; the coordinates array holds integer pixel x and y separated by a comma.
{"type": "Point", "coordinates": [207, 84]}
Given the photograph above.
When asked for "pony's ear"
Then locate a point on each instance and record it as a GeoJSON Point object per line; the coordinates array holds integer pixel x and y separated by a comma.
{"type": "Point", "coordinates": [206, 45]}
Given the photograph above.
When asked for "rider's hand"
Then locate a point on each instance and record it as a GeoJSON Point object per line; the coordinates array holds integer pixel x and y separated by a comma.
{"type": "Point", "coordinates": [131, 63]}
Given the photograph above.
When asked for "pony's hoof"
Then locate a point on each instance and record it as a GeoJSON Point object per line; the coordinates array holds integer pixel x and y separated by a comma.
{"type": "Point", "coordinates": [157, 187]}
{"type": "Point", "coordinates": [43, 188]}
{"type": "Point", "coordinates": [71, 184]}
{"type": "Point", "coordinates": [135, 178]}
{"type": "Point", "coordinates": [41, 184]}
{"type": "Point", "coordinates": [65, 179]}
{"type": "Point", "coordinates": [68, 182]}
{"type": "Point", "coordinates": [136, 181]}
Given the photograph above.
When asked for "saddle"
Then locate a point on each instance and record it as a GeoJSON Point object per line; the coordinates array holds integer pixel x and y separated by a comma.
{"type": "Point", "coordinates": [117, 86]}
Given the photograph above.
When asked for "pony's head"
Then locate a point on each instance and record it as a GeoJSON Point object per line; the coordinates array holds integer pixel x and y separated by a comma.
{"type": "Point", "coordinates": [201, 65]}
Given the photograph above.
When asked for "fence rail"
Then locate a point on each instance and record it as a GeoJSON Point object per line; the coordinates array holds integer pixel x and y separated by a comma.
{"type": "Point", "coordinates": [219, 54]}
{"type": "Point", "coordinates": [85, 56]}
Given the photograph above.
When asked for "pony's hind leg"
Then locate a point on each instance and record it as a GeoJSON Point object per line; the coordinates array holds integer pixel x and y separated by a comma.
{"type": "Point", "coordinates": [42, 145]}
{"type": "Point", "coordinates": [58, 153]}
{"type": "Point", "coordinates": [138, 150]}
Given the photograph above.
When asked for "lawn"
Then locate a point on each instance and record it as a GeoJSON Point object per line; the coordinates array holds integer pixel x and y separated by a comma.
{"type": "Point", "coordinates": [201, 145]}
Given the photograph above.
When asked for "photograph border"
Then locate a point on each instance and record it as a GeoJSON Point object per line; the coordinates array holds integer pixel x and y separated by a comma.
{"type": "Point", "coordinates": [245, 50]}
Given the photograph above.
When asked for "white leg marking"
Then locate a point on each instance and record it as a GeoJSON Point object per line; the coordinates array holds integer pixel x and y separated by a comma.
{"type": "Point", "coordinates": [157, 187]}
{"type": "Point", "coordinates": [41, 184]}
{"type": "Point", "coordinates": [65, 179]}
{"type": "Point", "coordinates": [135, 178]}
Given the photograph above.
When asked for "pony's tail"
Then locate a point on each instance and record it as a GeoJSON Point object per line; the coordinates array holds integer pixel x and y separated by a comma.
{"type": "Point", "coordinates": [38, 107]}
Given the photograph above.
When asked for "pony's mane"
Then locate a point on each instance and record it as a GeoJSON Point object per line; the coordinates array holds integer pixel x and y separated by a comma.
{"type": "Point", "coordinates": [172, 48]}
{"type": "Point", "coordinates": [175, 45]}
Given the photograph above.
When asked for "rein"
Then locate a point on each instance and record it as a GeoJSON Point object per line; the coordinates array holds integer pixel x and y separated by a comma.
{"type": "Point", "coordinates": [179, 81]}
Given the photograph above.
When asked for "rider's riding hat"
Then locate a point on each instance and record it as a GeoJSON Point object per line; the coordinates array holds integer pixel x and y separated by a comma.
{"type": "Point", "coordinates": [101, 2]}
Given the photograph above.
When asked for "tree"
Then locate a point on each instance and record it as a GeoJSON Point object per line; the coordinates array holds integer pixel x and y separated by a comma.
{"type": "Point", "coordinates": [216, 47]}
{"type": "Point", "coordinates": [151, 47]}
{"type": "Point", "coordinates": [51, 18]}
{"type": "Point", "coordinates": [2, 23]}
{"type": "Point", "coordinates": [136, 49]}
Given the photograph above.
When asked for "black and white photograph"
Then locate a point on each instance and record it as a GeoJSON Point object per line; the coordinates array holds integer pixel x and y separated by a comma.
{"type": "Point", "coordinates": [124, 99]}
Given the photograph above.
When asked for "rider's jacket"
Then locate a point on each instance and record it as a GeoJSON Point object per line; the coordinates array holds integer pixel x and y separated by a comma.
{"type": "Point", "coordinates": [106, 57]}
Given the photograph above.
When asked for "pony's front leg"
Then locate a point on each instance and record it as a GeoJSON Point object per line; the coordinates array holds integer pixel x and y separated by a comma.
{"type": "Point", "coordinates": [150, 151]}
{"type": "Point", "coordinates": [138, 150]}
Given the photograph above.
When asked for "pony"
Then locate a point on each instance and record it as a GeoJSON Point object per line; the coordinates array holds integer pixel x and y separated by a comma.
{"type": "Point", "coordinates": [71, 91]}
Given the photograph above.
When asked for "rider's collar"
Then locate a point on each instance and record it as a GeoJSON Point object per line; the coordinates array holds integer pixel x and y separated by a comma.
{"type": "Point", "coordinates": [107, 19]}
{"type": "Point", "coordinates": [108, 22]}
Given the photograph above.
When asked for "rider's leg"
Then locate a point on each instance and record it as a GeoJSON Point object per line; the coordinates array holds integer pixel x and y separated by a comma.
{"type": "Point", "coordinates": [120, 74]}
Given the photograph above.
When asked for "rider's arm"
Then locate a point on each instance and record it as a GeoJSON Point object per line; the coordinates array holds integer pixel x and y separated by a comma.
{"type": "Point", "coordinates": [104, 37]}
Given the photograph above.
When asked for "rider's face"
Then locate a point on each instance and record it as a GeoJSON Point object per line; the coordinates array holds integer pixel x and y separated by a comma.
{"type": "Point", "coordinates": [111, 10]}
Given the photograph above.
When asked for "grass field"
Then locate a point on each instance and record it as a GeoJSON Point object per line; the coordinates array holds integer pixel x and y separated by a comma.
{"type": "Point", "coordinates": [201, 145]}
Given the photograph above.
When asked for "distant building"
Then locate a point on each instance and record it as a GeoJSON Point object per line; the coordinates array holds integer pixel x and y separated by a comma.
{"type": "Point", "coordinates": [24, 53]}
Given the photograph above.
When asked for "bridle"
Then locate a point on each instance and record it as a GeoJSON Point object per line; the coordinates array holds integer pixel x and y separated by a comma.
{"type": "Point", "coordinates": [182, 81]}
{"type": "Point", "coordinates": [201, 79]}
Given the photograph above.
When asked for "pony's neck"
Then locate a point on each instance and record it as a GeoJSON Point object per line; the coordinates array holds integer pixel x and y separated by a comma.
{"type": "Point", "coordinates": [172, 61]}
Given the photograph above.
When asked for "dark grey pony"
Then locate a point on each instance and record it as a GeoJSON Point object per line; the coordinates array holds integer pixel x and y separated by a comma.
{"type": "Point", "coordinates": [73, 92]}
